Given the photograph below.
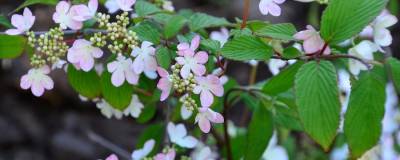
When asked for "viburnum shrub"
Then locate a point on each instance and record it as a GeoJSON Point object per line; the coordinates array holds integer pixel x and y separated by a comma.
{"type": "Point", "coordinates": [329, 79]}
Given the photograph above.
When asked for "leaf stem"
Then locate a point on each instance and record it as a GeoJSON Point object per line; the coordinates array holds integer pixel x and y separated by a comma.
{"type": "Point", "coordinates": [246, 9]}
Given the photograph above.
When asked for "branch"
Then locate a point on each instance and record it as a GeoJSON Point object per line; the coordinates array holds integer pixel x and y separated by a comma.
{"type": "Point", "coordinates": [109, 145]}
{"type": "Point", "coordinates": [70, 32]}
{"type": "Point", "coordinates": [246, 9]}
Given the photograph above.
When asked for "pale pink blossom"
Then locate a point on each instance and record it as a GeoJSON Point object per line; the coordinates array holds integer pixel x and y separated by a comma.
{"type": "Point", "coordinates": [121, 70]}
{"type": "Point", "coordinates": [125, 5]}
{"type": "Point", "coordinates": [186, 48]}
{"type": "Point", "coordinates": [64, 16]}
{"type": "Point", "coordinates": [109, 111]}
{"type": "Point", "coordinates": [167, 5]}
{"type": "Point", "coordinates": [84, 12]}
{"type": "Point", "coordinates": [378, 29]}
{"type": "Point", "coordinates": [112, 157]}
{"type": "Point", "coordinates": [270, 6]}
{"type": "Point", "coordinates": [207, 86]}
{"type": "Point", "coordinates": [312, 41]}
{"type": "Point", "coordinates": [135, 107]}
{"type": "Point", "coordinates": [22, 23]}
{"type": "Point", "coordinates": [145, 60]}
{"type": "Point", "coordinates": [194, 62]}
{"type": "Point", "coordinates": [206, 116]}
{"type": "Point", "coordinates": [170, 155]}
{"type": "Point", "coordinates": [38, 80]}
{"type": "Point", "coordinates": [164, 84]}
{"type": "Point", "coordinates": [82, 54]}
{"type": "Point", "coordinates": [111, 6]}
{"type": "Point", "coordinates": [220, 36]}
{"type": "Point", "coordinates": [178, 135]}
{"type": "Point", "coordinates": [141, 153]}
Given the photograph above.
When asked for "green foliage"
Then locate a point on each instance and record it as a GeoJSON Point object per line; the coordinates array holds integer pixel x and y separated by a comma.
{"type": "Point", "coordinates": [154, 131]}
{"type": "Point", "coordinates": [5, 22]}
{"type": "Point", "coordinates": [32, 2]}
{"type": "Point", "coordinates": [144, 8]}
{"type": "Point", "coordinates": [343, 19]}
{"type": "Point", "coordinates": [118, 97]}
{"type": "Point", "coordinates": [283, 81]}
{"type": "Point", "coordinates": [147, 31]}
{"type": "Point", "coordinates": [393, 66]}
{"type": "Point", "coordinates": [291, 53]}
{"type": "Point", "coordinates": [245, 48]}
{"type": "Point", "coordinates": [200, 20]}
{"type": "Point", "coordinates": [317, 98]}
{"type": "Point", "coordinates": [362, 125]}
{"type": "Point", "coordinates": [86, 84]}
{"type": "Point", "coordinates": [164, 57]}
{"type": "Point", "coordinates": [210, 45]}
{"type": "Point", "coordinates": [283, 31]}
{"type": "Point", "coordinates": [11, 46]}
{"type": "Point", "coordinates": [260, 132]}
{"type": "Point", "coordinates": [174, 25]}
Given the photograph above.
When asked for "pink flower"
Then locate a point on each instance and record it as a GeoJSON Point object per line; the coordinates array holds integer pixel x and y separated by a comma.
{"type": "Point", "coordinates": [206, 116]}
{"type": "Point", "coordinates": [125, 5]}
{"type": "Point", "coordinates": [166, 156]}
{"type": "Point", "coordinates": [121, 69]}
{"type": "Point", "coordinates": [64, 16]}
{"type": "Point", "coordinates": [378, 29]}
{"type": "Point", "coordinates": [220, 36]}
{"type": "Point", "coordinates": [112, 157]}
{"type": "Point", "coordinates": [270, 6]}
{"type": "Point", "coordinates": [145, 60]}
{"type": "Point", "coordinates": [22, 23]}
{"type": "Point", "coordinates": [194, 62]}
{"type": "Point", "coordinates": [38, 80]}
{"type": "Point", "coordinates": [207, 86]}
{"type": "Point", "coordinates": [84, 12]}
{"type": "Point", "coordinates": [82, 54]}
{"type": "Point", "coordinates": [164, 84]}
{"type": "Point", "coordinates": [312, 40]}
{"type": "Point", "coordinates": [185, 48]}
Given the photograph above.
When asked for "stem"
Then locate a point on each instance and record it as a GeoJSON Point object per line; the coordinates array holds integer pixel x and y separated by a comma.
{"type": "Point", "coordinates": [70, 32]}
{"type": "Point", "coordinates": [245, 13]}
{"type": "Point", "coordinates": [109, 145]}
{"type": "Point", "coordinates": [323, 49]}
{"type": "Point", "coordinates": [252, 81]}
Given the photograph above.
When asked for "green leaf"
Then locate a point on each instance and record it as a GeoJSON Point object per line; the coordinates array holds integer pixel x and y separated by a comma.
{"type": "Point", "coordinates": [118, 97]}
{"type": "Point", "coordinates": [246, 48]}
{"type": "Point", "coordinates": [362, 124]}
{"type": "Point", "coordinates": [283, 81]}
{"type": "Point", "coordinates": [32, 2]}
{"type": "Point", "coordinates": [11, 46]}
{"type": "Point", "coordinates": [260, 131]}
{"type": "Point", "coordinates": [210, 45]}
{"type": "Point", "coordinates": [317, 99]}
{"type": "Point", "coordinates": [343, 19]}
{"type": "Point", "coordinates": [291, 53]}
{"type": "Point", "coordinates": [283, 31]}
{"type": "Point", "coordinates": [173, 26]}
{"type": "Point", "coordinates": [287, 117]}
{"type": "Point", "coordinates": [164, 57]}
{"type": "Point", "coordinates": [144, 8]}
{"type": "Point", "coordinates": [148, 113]}
{"type": "Point", "coordinates": [147, 31]}
{"type": "Point", "coordinates": [86, 84]}
{"type": "Point", "coordinates": [5, 22]}
{"type": "Point", "coordinates": [156, 132]}
{"type": "Point", "coordinates": [393, 65]}
{"type": "Point", "coordinates": [200, 20]}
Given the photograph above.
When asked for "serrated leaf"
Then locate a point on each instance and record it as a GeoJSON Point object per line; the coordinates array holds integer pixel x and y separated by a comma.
{"type": "Point", "coordinates": [393, 65]}
{"type": "Point", "coordinates": [5, 22]}
{"type": "Point", "coordinates": [283, 31]}
{"type": "Point", "coordinates": [164, 57]}
{"type": "Point", "coordinates": [317, 99]}
{"type": "Point", "coordinates": [201, 20]}
{"type": "Point", "coordinates": [11, 46]}
{"type": "Point", "coordinates": [283, 81]}
{"type": "Point", "coordinates": [343, 19]}
{"type": "Point", "coordinates": [291, 53]}
{"type": "Point", "coordinates": [363, 119]}
{"type": "Point", "coordinates": [147, 31]}
{"type": "Point", "coordinates": [118, 97]}
{"type": "Point", "coordinates": [210, 45]}
{"type": "Point", "coordinates": [32, 2]}
{"type": "Point", "coordinates": [86, 84]}
{"type": "Point", "coordinates": [154, 131]}
{"type": "Point", "coordinates": [260, 132]}
{"type": "Point", "coordinates": [174, 25]}
{"type": "Point", "coordinates": [144, 8]}
{"type": "Point", "coordinates": [162, 18]}
{"type": "Point", "coordinates": [246, 48]}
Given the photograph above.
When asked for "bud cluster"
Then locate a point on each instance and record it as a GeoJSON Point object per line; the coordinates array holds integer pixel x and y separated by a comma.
{"type": "Point", "coordinates": [50, 46]}
{"type": "Point", "coordinates": [179, 84]}
{"type": "Point", "coordinates": [98, 39]}
{"type": "Point", "coordinates": [188, 102]}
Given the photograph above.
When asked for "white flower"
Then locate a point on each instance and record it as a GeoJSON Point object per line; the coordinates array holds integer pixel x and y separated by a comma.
{"type": "Point", "coordinates": [111, 6]}
{"type": "Point", "coordinates": [340, 153]}
{"type": "Point", "coordinates": [203, 152]}
{"type": "Point", "coordinates": [59, 65]}
{"type": "Point", "coordinates": [389, 121]}
{"type": "Point", "coordinates": [167, 5]}
{"type": "Point", "coordinates": [178, 135]}
{"type": "Point", "coordinates": [38, 80]}
{"type": "Point", "coordinates": [108, 111]}
{"type": "Point", "coordinates": [145, 60]}
{"type": "Point", "coordinates": [378, 29]}
{"type": "Point", "coordinates": [82, 54]}
{"type": "Point", "coordinates": [121, 70]}
{"type": "Point", "coordinates": [22, 23]}
{"type": "Point", "coordinates": [135, 107]}
{"type": "Point", "coordinates": [143, 152]}
{"type": "Point", "coordinates": [220, 36]}
{"type": "Point", "coordinates": [363, 50]}
{"type": "Point", "coordinates": [270, 6]}
{"type": "Point", "coordinates": [274, 151]}
{"type": "Point", "coordinates": [275, 65]}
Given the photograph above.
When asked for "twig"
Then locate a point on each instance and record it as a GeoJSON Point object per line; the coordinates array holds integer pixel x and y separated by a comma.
{"type": "Point", "coordinates": [245, 13]}
{"type": "Point", "coordinates": [70, 32]}
{"type": "Point", "coordinates": [109, 145]}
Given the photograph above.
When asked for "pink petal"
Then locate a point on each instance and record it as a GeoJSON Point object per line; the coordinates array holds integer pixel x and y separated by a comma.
{"type": "Point", "coordinates": [111, 67]}
{"type": "Point", "coordinates": [14, 31]}
{"type": "Point", "coordinates": [118, 78]}
{"type": "Point", "coordinates": [97, 52]}
{"type": "Point", "coordinates": [93, 5]}
{"type": "Point", "coordinates": [87, 63]}
{"type": "Point", "coordinates": [47, 83]}
{"type": "Point", "coordinates": [303, 35]}
{"type": "Point", "coordinates": [274, 9]}
{"type": "Point", "coordinates": [75, 25]}
{"type": "Point", "coordinates": [112, 157]}
{"type": "Point", "coordinates": [18, 21]}
{"type": "Point", "coordinates": [262, 6]}
{"type": "Point", "coordinates": [206, 98]}
{"type": "Point", "coordinates": [279, 1]}
{"type": "Point", "coordinates": [73, 56]}
{"type": "Point", "coordinates": [151, 64]}
{"type": "Point", "coordinates": [197, 90]}
{"type": "Point", "coordinates": [195, 43]}
{"type": "Point", "coordinates": [138, 66]}
{"type": "Point", "coordinates": [25, 82]}
{"type": "Point", "coordinates": [218, 90]}
{"type": "Point", "coordinates": [217, 118]}
{"type": "Point", "coordinates": [199, 69]}
{"type": "Point", "coordinates": [183, 46]}
{"type": "Point", "coordinates": [204, 125]}
{"type": "Point", "coordinates": [180, 60]}
{"type": "Point", "coordinates": [201, 57]}
{"type": "Point", "coordinates": [131, 77]}
{"type": "Point", "coordinates": [185, 71]}
{"type": "Point", "coordinates": [37, 89]}
{"type": "Point", "coordinates": [45, 69]}
{"type": "Point", "coordinates": [62, 7]}
{"type": "Point", "coordinates": [313, 44]}
{"type": "Point", "coordinates": [162, 72]}
{"type": "Point", "coordinates": [383, 37]}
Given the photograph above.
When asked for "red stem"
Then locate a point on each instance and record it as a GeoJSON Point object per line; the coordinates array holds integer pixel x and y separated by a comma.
{"type": "Point", "coordinates": [245, 13]}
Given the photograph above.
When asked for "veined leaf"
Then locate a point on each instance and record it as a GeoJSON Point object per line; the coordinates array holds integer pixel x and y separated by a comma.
{"type": "Point", "coordinates": [363, 119]}
{"type": "Point", "coordinates": [173, 26]}
{"type": "Point", "coordinates": [200, 20]}
{"type": "Point", "coordinates": [118, 97]}
{"type": "Point", "coordinates": [393, 65]}
{"type": "Point", "coordinates": [144, 8]}
{"type": "Point", "coordinates": [283, 31]}
{"type": "Point", "coordinates": [283, 81]}
{"type": "Point", "coordinates": [164, 57]}
{"type": "Point", "coordinates": [32, 2]}
{"type": "Point", "coordinates": [148, 31]}
{"type": "Point", "coordinates": [85, 83]}
{"type": "Point", "coordinates": [11, 46]}
{"type": "Point", "coordinates": [317, 99]}
{"type": "Point", "coordinates": [343, 19]}
{"type": "Point", "coordinates": [246, 48]}
{"type": "Point", "coordinates": [5, 22]}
